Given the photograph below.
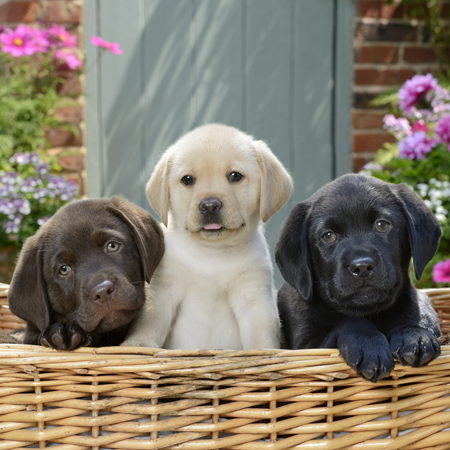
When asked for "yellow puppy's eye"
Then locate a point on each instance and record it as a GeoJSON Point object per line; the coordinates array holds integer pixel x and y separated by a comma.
{"type": "Point", "coordinates": [329, 237]}
{"type": "Point", "coordinates": [188, 180]}
{"type": "Point", "coordinates": [65, 270]}
{"type": "Point", "coordinates": [112, 247]}
{"type": "Point", "coordinates": [382, 226]}
{"type": "Point", "coordinates": [234, 177]}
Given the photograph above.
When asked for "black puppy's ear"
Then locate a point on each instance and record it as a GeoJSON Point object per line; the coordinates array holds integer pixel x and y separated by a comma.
{"type": "Point", "coordinates": [424, 230]}
{"type": "Point", "coordinates": [146, 231]}
{"type": "Point", "coordinates": [292, 250]}
{"type": "Point", "coordinates": [27, 295]}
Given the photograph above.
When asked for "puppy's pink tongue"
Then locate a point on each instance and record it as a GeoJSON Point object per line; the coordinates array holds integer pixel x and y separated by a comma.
{"type": "Point", "coordinates": [212, 226]}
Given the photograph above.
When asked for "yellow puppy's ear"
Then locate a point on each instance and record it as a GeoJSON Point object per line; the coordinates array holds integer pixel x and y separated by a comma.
{"type": "Point", "coordinates": [276, 183]}
{"type": "Point", "coordinates": [157, 188]}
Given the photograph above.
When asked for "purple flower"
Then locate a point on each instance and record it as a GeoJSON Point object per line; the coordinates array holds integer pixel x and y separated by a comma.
{"type": "Point", "coordinates": [416, 145]}
{"type": "Point", "coordinates": [415, 90]}
{"type": "Point", "coordinates": [441, 272]}
{"type": "Point", "coordinates": [398, 127]}
{"type": "Point", "coordinates": [442, 129]}
{"type": "Point", "coordinates": [369, 167]}
{"type": "Point", "coordinates": [42, 220]}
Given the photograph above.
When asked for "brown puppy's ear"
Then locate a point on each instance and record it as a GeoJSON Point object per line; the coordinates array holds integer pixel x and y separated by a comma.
{"type": "Point", "coordinates": [146, 232]}
{"type": "Point", "coordinates": [292, 251]}
{"type": "Point", "coordinates": [424, 230]}
{"type": "Point", "coordinates": [276, 183]}
{"type": "Point", "coordinates": [157, 188]}
{"type": "Point", "coordinates": [27, 295]}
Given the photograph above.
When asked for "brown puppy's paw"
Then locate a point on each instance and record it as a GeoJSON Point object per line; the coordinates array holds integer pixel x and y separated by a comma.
{"type": "Point", "coordinates": [64, 337]}
{"type": "Point", "coordinates": [413, 346]}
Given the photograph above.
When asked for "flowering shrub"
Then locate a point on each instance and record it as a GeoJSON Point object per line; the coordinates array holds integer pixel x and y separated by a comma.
{"type": "Point", "coordinates": [31, 61]}
{"type": "Point", "coordinates": [421, 157]}
{"type": "Point", "coordinates": [29, 195]}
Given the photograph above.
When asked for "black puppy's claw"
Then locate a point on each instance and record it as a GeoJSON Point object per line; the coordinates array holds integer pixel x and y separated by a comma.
{"type": "Point", "coordinates": [414, 346]}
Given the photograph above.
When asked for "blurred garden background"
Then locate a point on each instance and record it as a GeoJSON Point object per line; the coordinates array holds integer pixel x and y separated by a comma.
{"type": "Point", "coordinates": [93, 91]}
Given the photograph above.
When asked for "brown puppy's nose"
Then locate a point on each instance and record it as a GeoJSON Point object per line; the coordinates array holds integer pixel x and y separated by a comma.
{"type": "Point", "coordinates": [209, 205]}
{"type": "Point", "coordinates": [103, 292]}
{"type": "Point", "coordinates": [362, 267]}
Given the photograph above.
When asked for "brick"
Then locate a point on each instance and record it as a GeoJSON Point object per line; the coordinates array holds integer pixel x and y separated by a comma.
{"type": "Point", "coordinates": [379, 9]}
{"type": "Point", "coordinates": [370, 142]}
{"type": "Point", "coordinates": [19, 12]}
{"type": "Point", "coordinates": [358, 163]}
{"type": "Point", "coordinates": [70, 114]}
{"type": "Point", "coordinates": [61, 138]}
{"type": "Point", "coordinates": [419, 55]}
{"type": "Point", "coordinates": [74, 162]}
{"type": "Point", "coordinates": [395, 32]}
{"type": "Point", "coordinates": [385, 54]}
{"type": "Point", "coordinates": [63, 11]}
{"type": "Point", "coordinates": [70, 87]}
{"type": "Point", "coordinates": [361, 99]}
{"type": "Point", "coordinates": [383, 76]}
{"type": "Point", "coordinates": [367, 119]}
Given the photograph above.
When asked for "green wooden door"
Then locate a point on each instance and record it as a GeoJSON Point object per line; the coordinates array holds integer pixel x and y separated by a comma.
{"type": "Point", "coordinates": [280, 70]}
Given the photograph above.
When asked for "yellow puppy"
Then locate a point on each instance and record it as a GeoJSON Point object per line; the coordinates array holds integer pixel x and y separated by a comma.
{"type": "Point", "coordinates": [213, 288]}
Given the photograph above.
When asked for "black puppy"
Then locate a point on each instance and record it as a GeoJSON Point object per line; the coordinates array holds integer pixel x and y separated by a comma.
{"type": "Point", "coordinates": [81, 279]}
{"type": "Point", "coordinates": [345, 254]}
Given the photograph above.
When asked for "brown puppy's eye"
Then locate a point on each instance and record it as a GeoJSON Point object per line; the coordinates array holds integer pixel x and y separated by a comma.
{"type": "Point", "coordinates": [112, 247]}
{"type": "Point", "coordinates": [382, 226]}
{"type": "Point", "coordinates": [234, 177]}
{"type": "Point", "coordinates": [188, 180]}
{"type": "Point", "coordinates": [329, 237]}
{"type": "Point", "coordinates": [65, 270]}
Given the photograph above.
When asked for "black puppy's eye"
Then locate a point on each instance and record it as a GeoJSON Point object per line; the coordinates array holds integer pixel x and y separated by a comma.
{"type": "Point", "coordinates": [382, 226]}
{"type": "Point", "coordinates": [188, 180]}
{"type": "Point", "coordinates": [65, 270]}
{"type": "Point", "coordinates": [112, 247]}
{"type": "Point", "coordinates": [234, 177]}
{"type": "Point", "coordinates": [329, 237]}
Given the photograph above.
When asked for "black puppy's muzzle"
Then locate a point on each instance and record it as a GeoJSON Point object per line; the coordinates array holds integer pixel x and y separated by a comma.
{"type": "Point", "coordinates": [103, 292]}
{"type": "Point", "coordinates": [362, 267]}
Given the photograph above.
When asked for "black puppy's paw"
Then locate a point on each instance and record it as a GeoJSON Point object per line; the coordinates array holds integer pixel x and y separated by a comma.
{"type": "Point", "coordinates": [369, 356]}
{"type": "Point", "coordinates": [413, 346]}
{"type": "Point", "coordinates": [64, 337]}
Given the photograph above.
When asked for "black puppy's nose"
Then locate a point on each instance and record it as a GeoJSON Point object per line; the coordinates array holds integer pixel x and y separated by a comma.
{"type": "Point", "coordinates": [362, 267]}
{"type": "Point", "coordinates": [103, 292]}
{"type": "Point", "coordinates": [209, 205]}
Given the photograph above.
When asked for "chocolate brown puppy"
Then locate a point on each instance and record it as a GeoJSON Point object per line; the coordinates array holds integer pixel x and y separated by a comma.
{"type": "Point", "coordinates": [345, 255]}
{"type": "Point", "coordinates": [80, 280]}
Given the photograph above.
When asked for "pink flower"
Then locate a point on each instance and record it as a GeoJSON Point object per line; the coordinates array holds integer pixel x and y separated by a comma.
{"type": "Point", "coordinates": [19, 42]}
{"type": "Point", "coordinates": [416, 90]}
{"type": "Point", "coordinates": [111, 46]}
{"type": "Point", "coordinates": [40, 40]}
{"type": "Point", "coordinates": [69, 58]}
{"type": "Point", "coordinates": [61, 37]}
{"type": "Point", "coordinates": [398, 127]}
{"type": "Point", "coordinates": [441, 272]}
{"type": "Point", "coordinates": [416, 145]}
{"type": "Point", "coordinates": [442, 129]}
{"type": "Point", "coordinates": [419, 125]}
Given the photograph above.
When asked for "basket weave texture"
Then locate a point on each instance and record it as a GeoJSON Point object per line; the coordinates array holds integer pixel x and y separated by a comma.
{"type": "Point", "coordinates": [139, 398]}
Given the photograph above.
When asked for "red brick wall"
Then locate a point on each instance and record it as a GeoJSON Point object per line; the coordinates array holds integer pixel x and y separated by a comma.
{"type": "Point", "coordinates": [67, 146]}
{"type": "Point", "coordinates": [390, 47]}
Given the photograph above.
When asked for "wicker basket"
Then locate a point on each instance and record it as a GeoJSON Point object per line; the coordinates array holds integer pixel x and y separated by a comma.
{"type": "Point", "coordinates": [130, 398]}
